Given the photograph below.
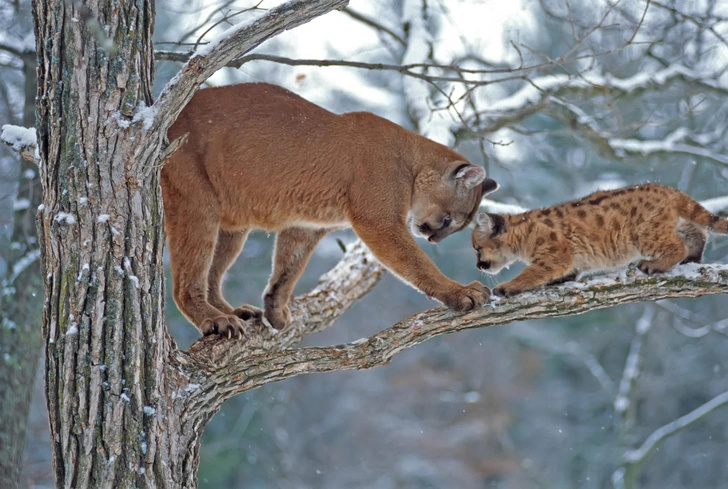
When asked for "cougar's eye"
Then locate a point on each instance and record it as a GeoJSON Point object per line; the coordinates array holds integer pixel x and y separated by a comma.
{"type": "Point", "coordinates": [424, 228]}
{"type": "Point", "coordinates": [446, 221]}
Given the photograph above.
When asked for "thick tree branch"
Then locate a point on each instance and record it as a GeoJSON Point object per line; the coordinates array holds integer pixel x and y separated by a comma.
{"type": "Point", "coordinates": [233, 43]}
{"type": "Point", "coordinates": [209, 58]}
{"type": "Point", "coordinates": [224, 375]}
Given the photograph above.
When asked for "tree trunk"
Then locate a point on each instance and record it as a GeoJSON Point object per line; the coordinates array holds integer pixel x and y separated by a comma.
{"type": "Point", "coordinates": [20, 302]}
{"type": "Point", "coordinates": [126, 408]}
{"type": "Point", "coordinates": [102, 241]}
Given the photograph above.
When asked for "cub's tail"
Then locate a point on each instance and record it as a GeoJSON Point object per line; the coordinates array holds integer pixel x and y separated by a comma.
{"type": "Point", "coordinates": [692, 211]}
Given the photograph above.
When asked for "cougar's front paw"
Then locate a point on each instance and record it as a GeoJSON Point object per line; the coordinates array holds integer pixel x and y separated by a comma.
{"type": "Point", "coordinates": [468, 297]}
{"type": "Point", "coordinates": [227, 326]}
{"type": "Point", "coordinates": [278, 316]}
{"type": "Point", "coordinates": [506, 291]}
{"type": "Point", "coordinates": [249, 313]}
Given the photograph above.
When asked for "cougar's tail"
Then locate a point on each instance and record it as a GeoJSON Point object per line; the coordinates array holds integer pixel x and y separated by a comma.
{"type": "Point", "coordinates": [692, 211]}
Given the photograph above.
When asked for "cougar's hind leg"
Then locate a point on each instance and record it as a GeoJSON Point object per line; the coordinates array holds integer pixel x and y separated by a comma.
{"type": "Point", "coordinates": [228, 247]}
{"type": "Point", "coordinates": [666, 248]}
{"type": "Point", "coordinates": [694, 237]}
{"type": "Point", "coordinates": [192, 231]}
{"type": "Point", "coordinates": [293, 249]}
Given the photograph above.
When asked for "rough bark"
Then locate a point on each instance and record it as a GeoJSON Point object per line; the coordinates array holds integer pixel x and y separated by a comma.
{"type": "Point", "coordinates": [230, 376]}
{"type": "Point", "coordinates": [116, 395]}
{"type": "Point", "coordinates": [20, 303]}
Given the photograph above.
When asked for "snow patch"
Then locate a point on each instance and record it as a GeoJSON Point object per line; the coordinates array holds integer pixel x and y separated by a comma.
{"type": "Point", "coordinates": [125, 398]}
{"type": "Point", "coordinates": [66, 217]}
{"type": "Point", "coordinates": [716, 204]}
{"type": "Point", "coordinates": [103, 218]}
{"type": "Point", "coordinates": [499, 208]}
{"type": "Point", "coordinates": [149, 410]}
{"type": "Point", "coordinates": [73, 329]}
{"type": "Point", "coordinates": [192, 387]}
{"type": "Point", "coordinates": [621, 404]}
{"type": "Point", "coordinates": [146, 114]}
{"type": "Point", "coordinates": [19, 138]}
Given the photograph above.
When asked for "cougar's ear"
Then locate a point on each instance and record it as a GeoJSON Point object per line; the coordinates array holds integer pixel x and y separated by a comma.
{"type": "Point", "coordinates": [470, 175]}
{"type": "Point", "coordinates": [489, 186]}
{"type": "Point", "coordinates": [484, 222]}
{"type": "Point", "coordinates": [492, 224]}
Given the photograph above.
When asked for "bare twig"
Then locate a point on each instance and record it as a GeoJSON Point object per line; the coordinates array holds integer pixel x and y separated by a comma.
{"type": "Point", "coordinates": [659, 435]}
{"type": "Point", "coordinates": [644, 13]}
{"type": "Point", "coordinates": [631, 371]}
{"type": "Point", "coordinates": [374, 24]}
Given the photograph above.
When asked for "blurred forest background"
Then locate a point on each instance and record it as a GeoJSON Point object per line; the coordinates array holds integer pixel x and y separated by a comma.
{"type": "Point", "coordinates": [557, 99]}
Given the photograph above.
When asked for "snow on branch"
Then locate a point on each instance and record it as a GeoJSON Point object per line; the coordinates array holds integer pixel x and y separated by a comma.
{"type": "Point", "coordinates": [669, 144]}
{"type": "Point", "coordinates": [22, 140]}
{"type": "Point", "coordinates": [270, 359]}
{"type": "Point", "coordinates": [231, 44]}
{"type": "Point", "coordinates": [542, 87]}
{"type": "Point", "coordinates": [338, 289]}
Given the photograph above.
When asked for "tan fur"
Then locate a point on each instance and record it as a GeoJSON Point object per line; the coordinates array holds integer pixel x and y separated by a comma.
{"type": "Point", "coordinates": [658, 225]}
{"type": "Point", "coordinates": [260, 157]}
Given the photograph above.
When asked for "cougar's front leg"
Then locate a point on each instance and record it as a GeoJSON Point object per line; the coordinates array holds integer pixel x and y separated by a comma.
{"type": "Point", "coordinates": [293, 249]}
{"type": "Point", "coordinates": [397, 250]}
{"type": "Point", "coordinates": [552, 266]}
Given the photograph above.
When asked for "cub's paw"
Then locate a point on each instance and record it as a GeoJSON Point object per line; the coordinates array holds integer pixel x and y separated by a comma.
{"type": "Point", "coordinates": [227, 326]}
{"type": "Point", "coordinates": [506, 291]}
{"type": "Point", "coordinates": [249, 313]}
{"type": "Point", "coordinates": [467, 297]}
{"type": "Point", "coordinates": [649, 267]}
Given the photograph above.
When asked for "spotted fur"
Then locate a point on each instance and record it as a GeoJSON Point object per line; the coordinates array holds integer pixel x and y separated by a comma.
{"type": "Point", "coordinates": [657, 225]}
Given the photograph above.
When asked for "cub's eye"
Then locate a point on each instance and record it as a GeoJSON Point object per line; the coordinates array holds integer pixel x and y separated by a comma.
{"type": "Point", "coordinates": [477, 252]}
{"type": "Point", "coordinates": [424, 228]}
{"type": "Point", "coordinates": [446, 221]}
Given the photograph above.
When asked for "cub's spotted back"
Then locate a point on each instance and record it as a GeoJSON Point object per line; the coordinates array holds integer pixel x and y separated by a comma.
{"type": "Point", "coordinates": [657, 225]}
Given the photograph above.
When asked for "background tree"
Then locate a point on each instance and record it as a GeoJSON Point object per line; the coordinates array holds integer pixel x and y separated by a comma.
{"type": "Point", "coordinates": [20, 287]}
{"type": "Point", "coordinates": [554, 111]}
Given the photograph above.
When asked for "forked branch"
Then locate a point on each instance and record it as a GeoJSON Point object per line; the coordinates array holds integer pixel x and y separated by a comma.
{"type": "Point", "coordinates": [270, 358]}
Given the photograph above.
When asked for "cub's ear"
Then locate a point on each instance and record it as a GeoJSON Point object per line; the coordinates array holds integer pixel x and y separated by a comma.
{"type": "Point", "coordinates": [492, 224]}
{"type": "Point", "coordinates": [470, 175]}
{"type": "Point", "coordinates": [489, 186]}
{"type": "Point", "coordinates": [483, 222]}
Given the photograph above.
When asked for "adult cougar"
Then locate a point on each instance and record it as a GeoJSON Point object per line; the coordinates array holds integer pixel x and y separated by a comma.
{"type": "Point", "coordinates": [260, 157]}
